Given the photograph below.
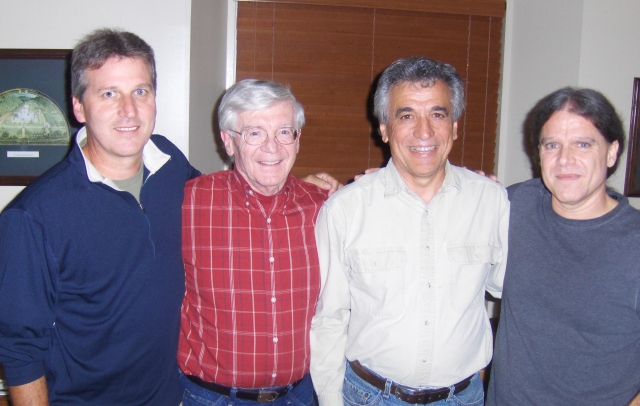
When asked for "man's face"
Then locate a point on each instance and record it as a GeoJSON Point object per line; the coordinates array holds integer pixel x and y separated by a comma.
{"type": "Point", "coordinates": [420, 131]}
{"type": "Point", "coordinates": [265, 167]}
{"type": "Point", "coordinates": [119, 109]}
{"type": "Point", "coordinates": [574, 157]}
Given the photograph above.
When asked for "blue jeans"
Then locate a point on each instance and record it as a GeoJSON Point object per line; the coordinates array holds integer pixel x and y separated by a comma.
{"type": "Point", "coordinates": [357, 392]}
{"type": "Point", "coordinates": [194, 395]}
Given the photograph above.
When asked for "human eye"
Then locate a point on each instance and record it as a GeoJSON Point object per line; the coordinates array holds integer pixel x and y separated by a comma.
{"type": "Point", "coordinates": [140, 92]}
{"type": "Point", "coordinates": [550, 145]}
{"type": "Point", "coordinates": [583, 145]}
{"type": "Point", "coordinates": [108, 94]}
{"type": "Point", "coordinates": [253, 135]}
{"type": "Point", "coordinates": [286, 135]}
{"type": "Point", "coordinates": [253, 132]}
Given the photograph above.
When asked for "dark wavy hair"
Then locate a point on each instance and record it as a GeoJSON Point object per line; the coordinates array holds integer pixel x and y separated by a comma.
{"type": "Point", "coordinates": [587, 103]}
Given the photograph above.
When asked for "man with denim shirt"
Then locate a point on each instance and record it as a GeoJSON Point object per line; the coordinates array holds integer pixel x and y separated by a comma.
{"type": "Point", "coordinates": [406, 255]}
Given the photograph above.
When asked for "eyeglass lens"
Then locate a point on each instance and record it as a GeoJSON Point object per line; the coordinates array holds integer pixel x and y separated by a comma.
{"type": "Point", "coordinates": [257, 135]}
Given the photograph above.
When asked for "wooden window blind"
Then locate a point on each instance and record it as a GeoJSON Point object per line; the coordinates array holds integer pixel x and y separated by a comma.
{"type": "Point", "coordinates": [330, 52]}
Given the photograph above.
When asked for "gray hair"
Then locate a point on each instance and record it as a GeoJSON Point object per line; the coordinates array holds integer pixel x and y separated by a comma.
{"type": "Point", "coordinates": [417, 70]}
{"type": "Point", "coordinates": [101, 45]}
{"type": "Point", "coordinates": [255, 95]}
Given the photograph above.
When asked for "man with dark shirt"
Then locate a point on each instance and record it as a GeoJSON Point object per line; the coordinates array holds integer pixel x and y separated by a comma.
{"type": "Point", "coordinates": [91, 277]}
{"type": "Point", "coordinates": [569, 330]}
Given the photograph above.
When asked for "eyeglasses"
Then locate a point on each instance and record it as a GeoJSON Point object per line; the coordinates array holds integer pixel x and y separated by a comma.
{"type": "Point", "coordinates": [257, 136]}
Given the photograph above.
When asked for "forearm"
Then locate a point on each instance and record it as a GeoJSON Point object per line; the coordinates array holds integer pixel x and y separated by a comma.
{"type": "Point", "coordinates": [30, 394]}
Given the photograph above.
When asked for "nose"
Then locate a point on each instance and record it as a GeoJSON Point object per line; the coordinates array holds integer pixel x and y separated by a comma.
{"type": "Point", "coordinates": [424, 130]}
{"type": "Point", "coordinates": [127, 107]}
{"type": "Point", "coordinates": [565, 156]}
{"type": "Point", "coordinates": [270, 144]}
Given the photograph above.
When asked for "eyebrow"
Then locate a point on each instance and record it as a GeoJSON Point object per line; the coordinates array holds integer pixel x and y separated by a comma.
{"type": "Point", "coordinates": [578, 139]}
{"type": "Point", "coordinates": [403, 110]}
{"type": "Point", "coordinates": [434, 108]}
{"type": "Point", "coordinates": [138, 86]}
{"type": "Point", "coordinates": [440, 108]}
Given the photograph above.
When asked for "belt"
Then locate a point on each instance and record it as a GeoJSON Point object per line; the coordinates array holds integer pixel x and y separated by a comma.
{"type": "Point", "coordinates": [405, 393]}
{"type": "Point", "coordinates": [257, 395]}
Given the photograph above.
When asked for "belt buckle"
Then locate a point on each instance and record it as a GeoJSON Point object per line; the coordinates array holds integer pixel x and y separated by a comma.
{"type": "Point", "coordinates": [409, 391]}
{"type": "Point", "coordinates": [267, 396]}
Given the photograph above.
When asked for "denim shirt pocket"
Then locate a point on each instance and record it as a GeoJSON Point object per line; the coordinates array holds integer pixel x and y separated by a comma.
{"type": "Point", "coordinates": [469, 265]}
{"type": "Point", "coordinates": [377, 280]}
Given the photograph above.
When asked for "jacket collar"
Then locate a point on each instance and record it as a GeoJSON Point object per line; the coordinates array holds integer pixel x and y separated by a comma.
{"type": "Point", "coordinates": [152, 157]}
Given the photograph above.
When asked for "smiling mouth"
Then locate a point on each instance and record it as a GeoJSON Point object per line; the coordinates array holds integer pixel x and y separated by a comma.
{"type": "Point", "coordinates": [423, 150]}
{"type": "Point", "coordinates": [126, 129]}
{"type": "Point", "coordinates": [269, 163]}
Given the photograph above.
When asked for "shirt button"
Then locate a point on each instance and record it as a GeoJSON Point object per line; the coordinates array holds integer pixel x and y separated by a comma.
{"type": "Point", "coordinates": [426, 323]}
{"type": "Point", "coordinates": [424, 360]}
{"type": "Point", "coordinates": [273, 299]}
{"type": "Point", "coordinates": [246, 203]}
{"type": "Point", "coordinates": [269, 220]}
{"type": "Point", "coordinates": [274, 375]}
{"type": "Point", "coordinates": [275, 339]}
{"type": "Point", "coordinates": [271, 259]}
{"type": "Point", "coordinates": [426, 248]}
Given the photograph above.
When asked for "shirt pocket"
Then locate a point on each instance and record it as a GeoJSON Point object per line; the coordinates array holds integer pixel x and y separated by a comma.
{"type": "Point", "coordinates": [469, 265]}
{"type": "Point", "coordinates": [377, 280]}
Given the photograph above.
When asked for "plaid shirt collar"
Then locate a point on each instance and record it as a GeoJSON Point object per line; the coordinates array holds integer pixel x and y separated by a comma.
{"type": "Point", "coordinates": [246, 197]}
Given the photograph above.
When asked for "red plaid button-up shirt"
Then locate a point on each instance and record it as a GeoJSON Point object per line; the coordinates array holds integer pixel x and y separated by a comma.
{"type": "Point", "coordinates": [252, 280]}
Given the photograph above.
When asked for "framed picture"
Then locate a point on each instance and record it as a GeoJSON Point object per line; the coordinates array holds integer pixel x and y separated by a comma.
{"type": "Point", "coordinates": [36, 116]}
{"type": "Point", "coordinates": [632, 176]}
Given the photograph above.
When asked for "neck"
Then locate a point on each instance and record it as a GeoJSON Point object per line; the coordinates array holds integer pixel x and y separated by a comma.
{"type": "Point", "coordinates": [113, 168]}
{"type": "Point", "coordinates": [595, 207]}
{"type": "Point", "coordinates": [426, 188]}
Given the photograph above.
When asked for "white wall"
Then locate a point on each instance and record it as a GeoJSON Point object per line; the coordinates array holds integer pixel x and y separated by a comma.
{"type": "Point", "coordinates": [541, 54]}
{"type": "Point", "coordinates": [551, 44]}
{"type": "Point", "coordinates": [164, 24]}
{"type": "Point", "coordinates": [610, 59]}
{"type": "Point", "coordinates": [208, 79]}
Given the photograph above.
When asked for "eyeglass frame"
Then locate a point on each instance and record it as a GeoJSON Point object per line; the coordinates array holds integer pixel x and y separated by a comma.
{"type": "Point", "coordinates": [244, 132]}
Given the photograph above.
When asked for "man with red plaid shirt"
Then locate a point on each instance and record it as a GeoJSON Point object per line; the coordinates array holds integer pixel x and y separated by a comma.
{"type": "Point", "coordinates": [252, 273]}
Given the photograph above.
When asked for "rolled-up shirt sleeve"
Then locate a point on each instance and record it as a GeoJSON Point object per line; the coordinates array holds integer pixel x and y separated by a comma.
{"type": "Point", "coordinates": [330, 323]}
{"type": "Point", "coordinates": [27, 296]}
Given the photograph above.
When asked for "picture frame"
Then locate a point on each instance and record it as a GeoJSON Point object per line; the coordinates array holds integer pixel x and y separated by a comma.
{"type": "Point", "coordinates": [632, 175]}
{"type": "Point", "coordinates": [36, 116]}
